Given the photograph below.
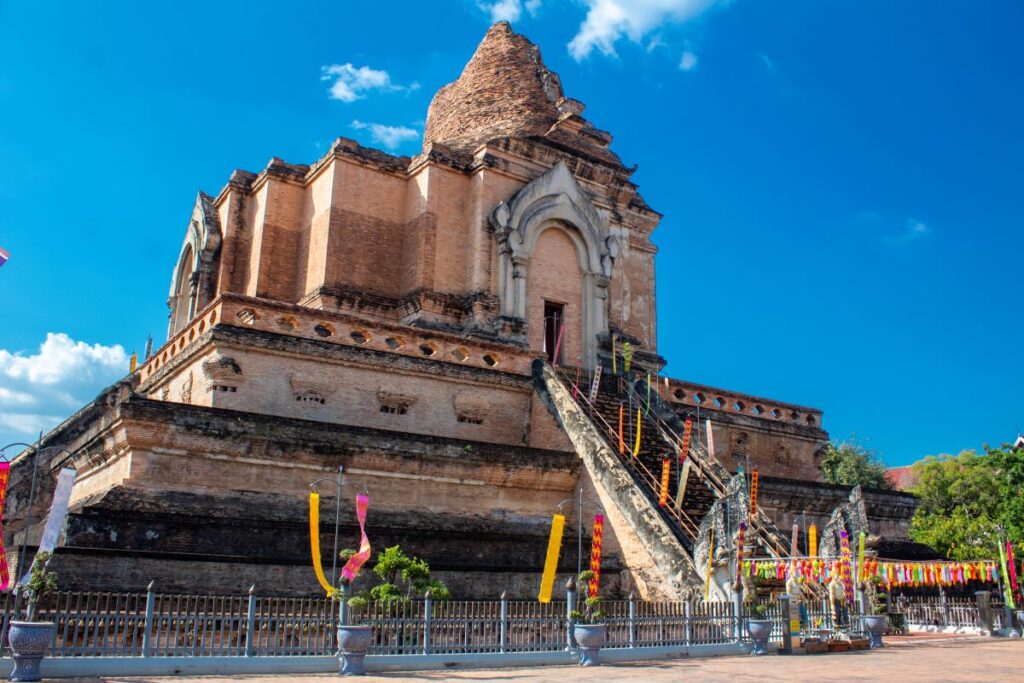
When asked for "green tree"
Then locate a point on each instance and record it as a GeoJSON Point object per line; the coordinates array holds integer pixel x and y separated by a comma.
{"type": "Point", "coordinates": [965, 497]}
{"type": "Point", "coordinates": [849, 464]}
{"type": "Point", "coordinates": [402, 578]}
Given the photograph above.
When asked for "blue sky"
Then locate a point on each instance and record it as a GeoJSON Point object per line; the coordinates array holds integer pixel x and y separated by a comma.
{"type": "Point", "coordinates": [841, 181]}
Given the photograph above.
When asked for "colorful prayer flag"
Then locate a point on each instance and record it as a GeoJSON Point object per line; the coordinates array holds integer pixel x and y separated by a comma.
{"type": "Point", "coordinates": [547, 581]}
{"type": "Point", "coordinates": [4, 255]}
{"type": "Point", "coordinates": [595, 555]}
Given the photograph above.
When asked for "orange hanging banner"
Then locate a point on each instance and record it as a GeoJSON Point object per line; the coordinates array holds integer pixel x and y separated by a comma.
{"type": "Point", "coordinates": [666, 469]}
{"type": "Point", "coordinates": [595, 555]}
{"type": "Point", "coordinates": [684, 449]}
{"type": "Point", "coordinates": [753, 492]}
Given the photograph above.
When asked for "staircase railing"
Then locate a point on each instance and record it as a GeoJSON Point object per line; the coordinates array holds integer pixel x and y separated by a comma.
{"type": "Point", "coordinates": [774, 540]}
{"type": "Point", "coordinates": [712, 473]}
{"type": "Point", "coordinates": [648, 481]}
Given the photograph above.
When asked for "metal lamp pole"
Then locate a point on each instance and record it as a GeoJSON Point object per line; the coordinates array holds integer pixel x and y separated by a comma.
{"type": "Point", "coordinates": [342, 611]}
{"type": "Point", "coordinates": [579, 525]}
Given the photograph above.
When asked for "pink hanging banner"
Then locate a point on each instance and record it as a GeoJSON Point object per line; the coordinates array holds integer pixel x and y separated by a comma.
{"type": "Point", "coordinates": [356, 562]}
{"type": "Point", "coordinates": [5, 574]}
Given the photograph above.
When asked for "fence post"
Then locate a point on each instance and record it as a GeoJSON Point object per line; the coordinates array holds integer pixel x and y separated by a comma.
{"type": "Point", "coordinates": [503, 638]}
{"type": "Point", "coordinates": [632, 619]}
{"type": "Point", "coordinates": [945, 606]}
{"type": "Point", "coordinates": [689, 623]}
{"type": "Point", "coordinates": [826, 613]}
{"type": "Point", "coordinates": [785, 620]}
{"type": "Point", "coordinates": [984, 611]}
{"type": "Point", "coordinates": [147, 627]}
{"type": "Point", "coordinates": [250, 621]}
{"type": "Point", "coordinates": [427, 603]}
{"type": "Point", "coordinates": [737, 613]}
{"type": "Point", "coordinates": [570, 603]}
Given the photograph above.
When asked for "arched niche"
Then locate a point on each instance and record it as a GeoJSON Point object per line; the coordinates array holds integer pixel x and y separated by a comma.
{"type": "Point", "coordinates": [193, 282]}
{"type": "Point", "coordinates": [555, 199]}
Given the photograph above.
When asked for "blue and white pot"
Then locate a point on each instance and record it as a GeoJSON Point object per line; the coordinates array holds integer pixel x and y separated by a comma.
{"type": "Point", "coordinates": [874, 624]}
{"type": "Point", "coordinates": [591, 638]}
{"type": "Point", "coordinates": [760, 630]}
{"type": "Point", "coordinates": [30, 641]}
{"type": "Point", "coordinates": [353, 642]}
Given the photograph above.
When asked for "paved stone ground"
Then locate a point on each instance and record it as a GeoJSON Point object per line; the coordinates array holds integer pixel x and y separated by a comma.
{"type": "Point", "coordinates": [925, 660]}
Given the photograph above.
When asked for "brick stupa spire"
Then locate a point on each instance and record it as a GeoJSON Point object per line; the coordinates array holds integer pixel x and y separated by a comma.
{"type": "Point", "coordinates": [506, 91]}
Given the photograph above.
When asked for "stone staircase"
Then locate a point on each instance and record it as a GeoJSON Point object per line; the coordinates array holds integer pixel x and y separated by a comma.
{"type": "Point", "coordinates": [660, 439]}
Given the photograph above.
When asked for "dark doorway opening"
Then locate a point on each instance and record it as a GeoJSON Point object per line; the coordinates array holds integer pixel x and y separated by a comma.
{"type": "Point", "coordinates": [554, 321]}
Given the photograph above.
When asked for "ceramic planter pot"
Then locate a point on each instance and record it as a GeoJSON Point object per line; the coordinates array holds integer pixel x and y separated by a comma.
{"type": "Point", "coordinates": [353, 642]}
{"type": "Point", "coordinates": [874, 624]}
{"type": "Point", "coordinates": [760, 630]}
{"type": "Point", "coordinates": [30, 641]}
{"type": "Point", "coordinates": [591, 638]}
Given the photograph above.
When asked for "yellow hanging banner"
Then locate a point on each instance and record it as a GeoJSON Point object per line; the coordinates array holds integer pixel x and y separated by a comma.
{"type": "Point", "coordinates": [711, 556]}
{"type": "Point", "coordinates": [314, 541]}
{"type": "Point", "coordinates": [615, 366]}
{"type": "Point", "coordinates": [622, 446]}
{"type": "Point", "coordinates": [636, 446]}
{"type": "Point", "coordinates": [547, 581]}
{"type": "Point", "coordinates": [812, 540]}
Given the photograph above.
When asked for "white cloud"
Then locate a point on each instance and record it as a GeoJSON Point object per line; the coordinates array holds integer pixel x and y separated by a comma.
{"type": "Point", "coordinates": [509, 10]}
{"type": "Point", "coordinates": [609, 20]}
{"type": "Point", "coordinates": [688, 62]}
{"type": "Point", "coordinates": [915, 230]}
{"type": "Point", "coordinates": [41, 389]}
{"type": "Point", "coordinates": [350, 83]}
{"type": "Point", "coordinates": [388, 136]}
{"type": "Point", "coordinates": [769, 64]}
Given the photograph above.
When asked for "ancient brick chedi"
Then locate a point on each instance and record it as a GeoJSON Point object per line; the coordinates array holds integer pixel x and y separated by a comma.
{"type": "Point", "coordinates": [400, 317]}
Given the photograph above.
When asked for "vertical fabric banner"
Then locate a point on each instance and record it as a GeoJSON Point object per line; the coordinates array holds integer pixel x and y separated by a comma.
{"type": "Point", "coordinates": [666, 469]}
{"type": "Point", "coordinates": [711, 556]}
{"type": "Point", "coordinates": [547, 581]}
{"type": "Point", "coordinates": [794, 543]}
{"type": "Point", "coordinates": [5, 572]}
{"type": "Point", "coordinates": [622, 445]}
{"type": "Point", "coordinates": [753, 492]}
{"type": "Point", "coordinates": [627, 356]}
{"type": "Point", "coordinates": [860, 558]}
{"type": "Point", "coordinates": [314, 542]}
{"type": "Point", "coordinates": [596, 384]}
{"type": "Point", "coordinates": [684, 449]}
{"type": "Point", "coordinates": [356, 562]}
{"type": "Point", "coordinates": [711, 440]}
{"type": "Point", "coordinates": [683, 478]}
{"type": "Point", "coordinates": [1007, 591]}
{"type": "Point", "coordinates": [812, 540]}
{"type": "Point", "coordinates": [648, 410]}
{"type": "Point", "coordinates": [741, 537]}
{"type": "Point", "coordinates": [845, 557]}
{"type": "Point", "coordinates": [636, 446]}
{"type": "Point", "coordinates": [1009, 560]}
{"type": "Point", "coordinates": [595, 555]}
{"type": "Point", "coordinates": [615, 362]}
{"type": "Point", "coordinates": [56, 517]}
{"type": "Point", "coordinates": [558, 344]}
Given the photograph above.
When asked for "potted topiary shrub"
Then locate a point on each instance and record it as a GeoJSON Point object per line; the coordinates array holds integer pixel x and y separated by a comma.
{"type": "Point", "coordinates": [874, 624]}
{"type": "Point", "coordinates": [354, 637]}
{"type": "Point", "coordinates": [759, 627]}
{"type": "Point", "coordinates": [30, 639]}
{"type": "Point", "coordinates": [588, 627]}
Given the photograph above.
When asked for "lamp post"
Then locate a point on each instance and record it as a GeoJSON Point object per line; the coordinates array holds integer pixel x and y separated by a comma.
{"type": "Point", "coordinates": [342, 607]}
{"type": "Point", "coordinates": [579, 525]}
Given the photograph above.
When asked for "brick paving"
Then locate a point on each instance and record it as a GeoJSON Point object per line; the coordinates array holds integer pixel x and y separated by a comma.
{"type": "Point", "coordinates": [959, 659]}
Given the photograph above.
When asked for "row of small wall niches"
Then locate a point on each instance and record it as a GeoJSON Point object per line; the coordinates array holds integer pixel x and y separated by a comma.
{"type": "Point", "coordinates": [360, 336]}
{"type": "Point", "coordinates": [356, 336]}
{"type": "Point", "coordinates": [186, 337]}
{"type": "Point", "coordinates": [699, 398]}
